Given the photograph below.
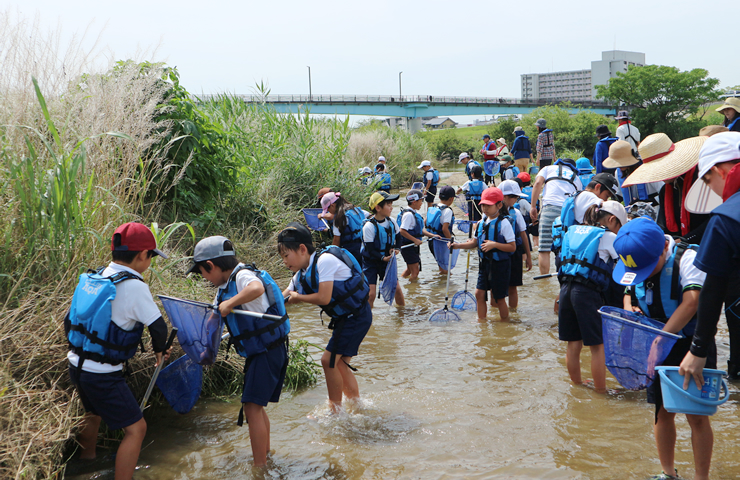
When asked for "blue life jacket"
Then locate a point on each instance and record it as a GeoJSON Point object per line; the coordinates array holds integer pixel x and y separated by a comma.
{"type": "Point", "coordinates": [667, 285]}
{"type": "Point", "coordinates": [580, 260]}
{"type": "Point", "coordinates": [557, 235]}
{"type": "Point", "coordinates": [528, 192]}
{"type": "Point", "coordinates": [415, 232]}
{"type": "Point", "coordinates": [568, 211]}
{"type": "Point", "coordinates": [252, 335]}
{"type": "Point", "coordinates": [521, 146]}
{"type": "Point", "coordinates": [351, 238]}
{"type": "Point", "coordinates": [93, 334]}
{"type": "Point", "coordinates": [483, 233]}
{"type": "Point", "coordinates": [514, 172]}
{"type": "Point", "coordinates": [729, 127]}
{"type": "Point", "coordinates": [383, 243]}
{"type": "Point", "coordinates": [435, 178]}
{"type": "Point", "coordinates": [468, 166]}
{"type": "Point", "coordinates": [475, 189]}
{"type": "Point", "coordinates": [385, 182]}
{"type": "Point", "coordinates": [585, 178]}
{"type": "Point", "coordinates": [642, 193]}
{"type": "Point", "coordinates": [512, 219]}
{"type": "Point", "coordinates": [347, 296]}
{"type": "Point", "coordinates": [434, 219]}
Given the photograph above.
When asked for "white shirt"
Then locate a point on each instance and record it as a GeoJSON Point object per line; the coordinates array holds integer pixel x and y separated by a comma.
{"type": "Point", "coordinates": [329, 268]}
{"type": "Point", "coordinates": [466, 187]}
{"type": "Point", "coordinates": [606, 247]}
{"type": "Point", "coordinates": [688, 273]}
{"type": "Point", "coordinates": [446, 218]}
{"type": "Point", "coordinates": [408, 220]}
{"type": "Point", "coordinates": [505, 229]}
{"type": "Point", "coordinates": [520, 223]}
{"type": "Point", "coordinates": [428, 176]}
{"type": "Point", "coordinates": [555, 190]}
{"type": "Point", "coordinates": [524, 206]}
{"type": "Point", "coordinates": [133, 304]}
{"type": "Point", "coordinates": [368, 230]}
{"type": "Point", "coordinates": [622, 134]}
{"type": "Point", "coordinates": [244, 278]}
{"type": "Point", "coordinates": [583, 201]}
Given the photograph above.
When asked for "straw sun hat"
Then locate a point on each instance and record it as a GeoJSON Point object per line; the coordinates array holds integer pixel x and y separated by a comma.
{"type": "Point", "coordinates": [662, 159]}
{"type": "Point", "coordinates": [731, 102]}
{"type": "Point", "coordinates": [620, 155]}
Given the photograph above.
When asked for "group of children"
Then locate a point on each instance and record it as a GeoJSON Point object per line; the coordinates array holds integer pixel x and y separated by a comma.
{"type": "Point", "coordinates": [601, 251]}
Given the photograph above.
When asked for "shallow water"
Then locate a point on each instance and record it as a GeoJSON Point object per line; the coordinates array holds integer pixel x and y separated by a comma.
{"type": "Point", "coordinates": [460, 400]}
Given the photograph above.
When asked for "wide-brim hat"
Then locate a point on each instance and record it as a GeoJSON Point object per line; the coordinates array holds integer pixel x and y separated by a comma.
{"type": "Point", "coordinates": [730, 102]}
{"type": "Point", "coordinates": [662, 159]}
{"type": "Point", "coordinates": [620, 155]}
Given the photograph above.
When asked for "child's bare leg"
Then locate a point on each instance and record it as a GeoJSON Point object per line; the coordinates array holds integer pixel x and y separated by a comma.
{"type": "Point", "coordinates": [702, 442]}
{"type": "Point", "coordinates": [334, 380]}
{"type": "Point", "coordinates": [503, 309]}
{"type": "Point", "coordinates": [573, 361]}
{"type": "Point", "coordinates": [350, 388]}
{"type": "Point", "coordinates": [598, 367]}
{"type": "Point", "coordinates": [513, 297]}
{"type": "Point", "coordinates": [88, 436]}
{"type": "Point", "coordinates": [413, 270]}
{"type": "Point", "coordinates": [267, 422]}
{"type": "Point", "coordinates": [399, 296]}
{"type": "Point", "coordinates": [480, 300]}
{"type": "Point", "coordinates": [406, 272]}
{"type": "Point", "coordinates": [259, 432]}
{"type": "Point", "coordinates": [665, 439]}
{"type": "Point", "coordinates": [128, 451]}
{"type": "Point", "coordinates": [371, 296]}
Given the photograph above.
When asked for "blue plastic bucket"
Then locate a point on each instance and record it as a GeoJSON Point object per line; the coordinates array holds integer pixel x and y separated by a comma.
{"type": "Point", "coordinates": [692, 401]}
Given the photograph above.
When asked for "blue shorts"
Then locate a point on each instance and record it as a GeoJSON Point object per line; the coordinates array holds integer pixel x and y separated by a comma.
{"type": "Point", "coordinates": [578, 314]}
{"type": "Point", "coordinates": [263, 379]}
{"type": "Point", "coordinates": [107, 395]}
{"type": "Point", "coordinates": [494, 276]}
{"type": "Point", "coordinates": [347, 340]}
{"type": "Point", "coordinates": [374, 270]}
{"type": "Point", "coordinates": [411, 255]}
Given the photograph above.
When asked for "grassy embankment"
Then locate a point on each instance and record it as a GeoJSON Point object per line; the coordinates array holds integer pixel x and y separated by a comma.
{"type": "Point", "coordinates": [81, 155]}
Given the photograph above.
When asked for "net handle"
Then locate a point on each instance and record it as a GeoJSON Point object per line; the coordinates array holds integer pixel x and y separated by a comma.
{"type": "Point", "coordinates": [236, 310]}
{"type": "Point", "coordinates": [149, 389]}
{"type": "Point", "coordinates": [640, 325]}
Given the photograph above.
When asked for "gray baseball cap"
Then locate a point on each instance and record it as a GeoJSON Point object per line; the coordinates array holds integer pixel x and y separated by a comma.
{"type": "Point", "coordinates": [208, 249]}
{"type": "Point", "coordinates": [542, 123]}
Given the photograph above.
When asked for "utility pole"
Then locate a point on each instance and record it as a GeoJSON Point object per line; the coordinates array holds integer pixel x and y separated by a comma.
{"type": "Point", "coordinates": [309, 84]}
{"type": "Point", "coordinates": [400, 95]}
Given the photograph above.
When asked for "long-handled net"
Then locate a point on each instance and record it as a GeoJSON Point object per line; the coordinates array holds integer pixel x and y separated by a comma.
{"type": "Point", "coordinates": [491, 167]}
{"type": "Point", "coordinates": [417, 186]}
{"type": "Point", "coordinates": [181, 382]}
{"type": "Point", "coordinates": [390, 281]}
{"type": "Point", "coordinates": [464, 300]}
{"type": "Point", "coordinates": [199, 328]}
{"type": "Point", "coordinates": [443, 314]}
{"type": "Point", "coordinates": [463, 225]}
{"type": "Point", "coordinates": [462, 203]}
{"type": "Point", "coordinates": [446, 258]}
{"type": "Point", "coordinates": [633, 346]}
{"type": "Point", "coordinates": [313, 221]}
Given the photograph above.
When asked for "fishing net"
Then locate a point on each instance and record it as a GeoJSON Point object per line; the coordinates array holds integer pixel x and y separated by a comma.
{"type": "Point", "coordinates": [199, 328]}
{"type": "Point", "coordinates": [463, 225]}
{"type": "Point", "coordinates": [491, 167]}
{"type": "Point", "coordinates": [180, 383]}
{"type": "Point", "coordinates": [462, 203]}
{"type": "Point", "coordinates": [464, 301]}
{"type": "Point", "coordinates": [634, 345]}
{"type": "Point", "coordinates": [417, 186]}
{"type": "Point", "coordinates": [390, 281]}
{"type": "Point", "coordinates": [312, 219]}
{"type": "Point", "coordinates": [442, 254]}
{"type": "Point", "coordinates": [444, 315]}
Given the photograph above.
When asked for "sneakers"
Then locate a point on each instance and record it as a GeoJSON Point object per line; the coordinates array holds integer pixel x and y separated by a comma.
{"type": "Point", "coordinates": [665, 476]}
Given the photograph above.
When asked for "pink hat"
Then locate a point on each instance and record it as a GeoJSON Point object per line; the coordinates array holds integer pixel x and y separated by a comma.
{"type": "Point", "coordinates": [328, 199]}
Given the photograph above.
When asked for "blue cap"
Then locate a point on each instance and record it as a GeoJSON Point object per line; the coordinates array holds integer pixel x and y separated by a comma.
{"type": "Point", "coordinates": [485, 136]}
{"type": "Point", "coordinates": [584, 165]}
{"type": "Point", "coordinates": [639, 244]}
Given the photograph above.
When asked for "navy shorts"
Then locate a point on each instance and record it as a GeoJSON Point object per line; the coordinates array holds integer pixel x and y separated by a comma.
{"type": "Point", "coordinates": [411, 255]}
{"type": "Point", "coordinates": [674, 359]}
{"type": "Point", "coordinates": [107, 395]}
{"type": "Point", "coordinates": [494, 276]}
{"type": "Point", "coordinates": [263, 380]}
{"type": "Point", "coordinates": [347, 340]}
{"type": "Point", "coordinates": [517, 270]}
{"type": "Point", "coordinates": [578, 314]}
{"type": "Point", "coordinates": [374, 270]}
{"type": "Point", "coordinates": [431, 193]}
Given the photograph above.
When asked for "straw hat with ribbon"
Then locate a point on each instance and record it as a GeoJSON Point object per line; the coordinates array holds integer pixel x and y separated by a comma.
{"type": "Point", "coordinates": [662, 159]}
{"type": "Point", "coordinates": [731, 102]}
{"type": "Point", "coordinates": [620, 155]}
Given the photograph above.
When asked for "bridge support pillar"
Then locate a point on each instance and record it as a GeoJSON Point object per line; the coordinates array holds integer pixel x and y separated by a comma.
{"type": "Point", "coordinates": [413, 125]}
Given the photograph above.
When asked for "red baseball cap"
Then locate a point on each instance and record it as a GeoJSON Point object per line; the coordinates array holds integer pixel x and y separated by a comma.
{"type": "Point", "coordinates": [134, 237]}
{"type": "Point", "coordinates": [491, 196]}
{"type": "Point", "coordinates": [524, 177]}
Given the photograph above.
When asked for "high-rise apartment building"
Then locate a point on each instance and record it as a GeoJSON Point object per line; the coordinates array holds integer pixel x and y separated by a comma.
{"type": "Point", "coordinates": [579, 84]}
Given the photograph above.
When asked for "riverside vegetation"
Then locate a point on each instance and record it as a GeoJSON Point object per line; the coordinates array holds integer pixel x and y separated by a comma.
{"type": "Point", "coordinates": [81, 153]}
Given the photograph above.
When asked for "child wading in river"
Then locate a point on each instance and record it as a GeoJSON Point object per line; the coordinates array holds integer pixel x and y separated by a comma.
{"type": "Point", "coordinates": [412, 231]}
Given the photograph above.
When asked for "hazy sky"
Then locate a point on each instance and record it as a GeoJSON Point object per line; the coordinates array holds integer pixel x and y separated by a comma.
{"type": "Point", "coordinates": [461, 48]}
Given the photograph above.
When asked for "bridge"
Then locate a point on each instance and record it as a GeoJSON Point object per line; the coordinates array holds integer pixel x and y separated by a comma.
{"type": "Point", "coordinates": [413, 107]}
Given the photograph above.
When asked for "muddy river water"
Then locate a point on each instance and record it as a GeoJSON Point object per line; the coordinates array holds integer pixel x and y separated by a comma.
{"type": "Point", "coordinates": [462, 400]}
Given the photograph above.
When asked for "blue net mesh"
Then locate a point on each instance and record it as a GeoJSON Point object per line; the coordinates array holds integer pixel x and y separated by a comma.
{"type": "Point", "coordinates": [199, 328]}
{"type": "Point", "coordinates": [180, 383]}
{"type": "Point", "coordinates": [464, 301]}
{"type": "Point", "coordinates": [462, 203]}
{"type": "Point", "coordinates": [312, 219]}
{"type": "Point", "coordinates": [463, 225]}
{"type": "Point", "coordinates": [417, 186]}
{"type": "Point", "coordinates": [390, 281]}
{"type": "Point", "coordinates": [491, 167]}
{"type": "Point", "coordinates": [442, 254]}
{"type": "Point", "coordinates": [444, 315]}
{"type": "Point", "coordinates": [634, 345]}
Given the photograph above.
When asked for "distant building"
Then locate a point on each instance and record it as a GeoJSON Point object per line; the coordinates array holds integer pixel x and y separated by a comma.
{"type": "Point", "coordinates": [577, 85]}
{"type": "Point", "coordinates": [439, 122]}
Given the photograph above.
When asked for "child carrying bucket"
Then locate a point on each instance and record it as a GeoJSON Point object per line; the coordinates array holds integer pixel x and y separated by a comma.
{"type": "Point", "coordinates": [665, 285]}
{"type": "Point", "coordinates": [495, 241]}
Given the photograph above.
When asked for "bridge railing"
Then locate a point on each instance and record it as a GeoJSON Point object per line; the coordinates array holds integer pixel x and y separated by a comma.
{"type": "Point", "coordinates": [405, 99]}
